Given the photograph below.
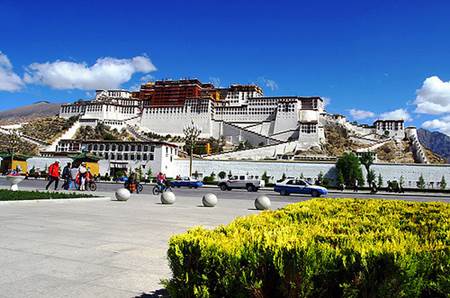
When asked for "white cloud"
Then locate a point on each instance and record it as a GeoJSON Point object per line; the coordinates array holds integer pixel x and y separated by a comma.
{"type": "Point", "coordinates": [399, 114]}
{"type": "Point", "coordinates": [442, 125]}
{"type": "Point", "coordinates": [9, 81]}
{"type": "Point", "coordinates": [433, 97]}
{"type": "Point", "coordinates": [106, 73]}
{"type": "Point", "coordinates": [271, 84]}
{"type": "Point", "coordinates": [361, 114]}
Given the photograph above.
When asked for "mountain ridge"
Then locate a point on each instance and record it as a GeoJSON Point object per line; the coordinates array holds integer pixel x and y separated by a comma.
{"type": "Point", "coordinates": [436, 141]}
{"type": "Point", "coordinates": [39, 109]}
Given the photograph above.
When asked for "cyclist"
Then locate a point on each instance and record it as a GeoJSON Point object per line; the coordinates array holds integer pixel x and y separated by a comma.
{"type": "Point", "coordinates": [161, 181]}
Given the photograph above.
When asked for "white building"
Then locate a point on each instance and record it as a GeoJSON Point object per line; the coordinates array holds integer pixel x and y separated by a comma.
{"type": "Point", "coordinates": [239, 116]}
{"type": "Point", "coordinates": [124, 155]}
{"type": "Point", "coordinates": [390, 128]}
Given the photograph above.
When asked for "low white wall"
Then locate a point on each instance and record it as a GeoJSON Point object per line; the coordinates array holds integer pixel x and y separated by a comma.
{"type": "Point", "coordinates": [410, 172]}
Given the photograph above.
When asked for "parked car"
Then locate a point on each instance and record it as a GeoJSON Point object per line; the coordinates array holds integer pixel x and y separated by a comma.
{"type": "Point", "coordinates": [299, 186]}
{"type": "Point", "coordinates": [251, 183]}
{"type": "Point", "coordinates": [121, 179]}
{"type": "Point", "coordinates": [186, 182]}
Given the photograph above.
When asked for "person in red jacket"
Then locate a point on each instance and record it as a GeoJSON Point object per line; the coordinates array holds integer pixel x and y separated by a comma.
{"type": "Point", "coordinates": [53, 174]}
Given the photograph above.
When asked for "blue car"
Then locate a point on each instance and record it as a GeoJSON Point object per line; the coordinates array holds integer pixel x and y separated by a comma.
{"type": "Point", "coordinates": [299, 186]}
{"type": "Point", "coordinates": [186, 182]}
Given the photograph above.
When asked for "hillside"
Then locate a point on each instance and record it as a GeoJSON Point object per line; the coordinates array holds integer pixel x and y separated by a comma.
{"type": "Point", "coordinates": [47, 129]}
{"type": "Point", "coordinates": [30, 112]}
{"type": "Point", "coordinates": [437, 142]}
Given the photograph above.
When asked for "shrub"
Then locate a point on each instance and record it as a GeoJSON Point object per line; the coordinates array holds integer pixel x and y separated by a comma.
{"type": "Point", "coordinates": [208, 180]}
{"type": "Point", "coordinates": [265, 178]}
{"type": "Point", "coordinates": [421, 183]}
{"type": "Point", "coordinates": [319, 248]}
{"type": "Point", "coordinates": [443, 184]}
{"type": "Point", "coordinates": [8, 195]}
{"type": "Point", "coordinates": [380, 181]}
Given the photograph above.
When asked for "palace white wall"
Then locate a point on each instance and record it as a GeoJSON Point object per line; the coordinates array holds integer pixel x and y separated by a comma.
{"type": "Point", "coordinates": [410, 172]}
{"type": "Point", "coordinates": [173, 120]}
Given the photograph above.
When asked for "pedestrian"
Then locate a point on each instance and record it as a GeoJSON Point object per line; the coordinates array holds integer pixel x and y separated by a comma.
{"type": "Point", "coordinates": [82, 172]}
{"type": "Point", "coordinates": [53, 174]}
{"type": "Point", "coordinates": [66, 175]}
{"type": "Point", "coordinates": [73, 180]}
{"type": "Point", "coordinates": [355, 186]}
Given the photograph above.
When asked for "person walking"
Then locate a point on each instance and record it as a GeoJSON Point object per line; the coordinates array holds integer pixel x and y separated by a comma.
{"type": "Point", "coordinates": [355, 186]}
{"type": "Point", "coordinates": [82, 172]}
{"type": "Point", "coordinates": [53, 174]}
{"type": "Point", "coordinates": [66, 176]}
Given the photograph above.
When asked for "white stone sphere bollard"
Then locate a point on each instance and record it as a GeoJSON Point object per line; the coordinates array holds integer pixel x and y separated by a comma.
{"type": "Point", "coordinates": [123, 194]}
{"type": "Point", "coordinates": [209, 200]}
{"type": "Point", "coordinates": [168, 198]}
{"type": "Point", "coordinates": [262, 202]}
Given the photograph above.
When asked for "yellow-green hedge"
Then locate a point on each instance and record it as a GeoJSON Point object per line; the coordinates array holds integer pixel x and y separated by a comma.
{"type": "Point", "coordinates": [319, 248]}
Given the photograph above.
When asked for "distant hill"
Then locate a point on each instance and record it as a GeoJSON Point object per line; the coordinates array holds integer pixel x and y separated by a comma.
{"type": "Point", "coordinates": [30, 112]}
{"type": "Point", "coordinates": [435, 141]}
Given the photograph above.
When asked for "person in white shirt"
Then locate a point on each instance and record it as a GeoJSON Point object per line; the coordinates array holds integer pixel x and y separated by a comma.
{"type": "Point", "coordinates": [82, 172]}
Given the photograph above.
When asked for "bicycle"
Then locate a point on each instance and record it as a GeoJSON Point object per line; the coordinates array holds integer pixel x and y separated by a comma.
{"type": "Point", "coordinates": [91, 185]}
{"type": "Point", "coordinates": [158, 189]}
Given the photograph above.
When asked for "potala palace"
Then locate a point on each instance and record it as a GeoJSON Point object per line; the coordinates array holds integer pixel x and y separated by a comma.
{"type": "Point", "coordinates": [278, 126]}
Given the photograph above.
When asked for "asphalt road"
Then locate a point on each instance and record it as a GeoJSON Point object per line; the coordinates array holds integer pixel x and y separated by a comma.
{"type": "Point", "coordinates": [110, 188]}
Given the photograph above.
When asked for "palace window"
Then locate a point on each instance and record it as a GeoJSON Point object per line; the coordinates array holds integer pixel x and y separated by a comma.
{"type": "Point", "coordinates": [308, 128]}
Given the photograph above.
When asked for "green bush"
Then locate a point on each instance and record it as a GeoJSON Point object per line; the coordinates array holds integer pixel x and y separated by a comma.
{"type": "Point", "coordinates": [319, 248]}
{"type": "Point", "coordinates": [8, 195]}
{"type": "Point", "coordinates": [209, 180]}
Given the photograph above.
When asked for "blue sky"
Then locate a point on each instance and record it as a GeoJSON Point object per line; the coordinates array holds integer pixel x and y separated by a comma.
{"type": "Point", "coordinates": [366, 57]}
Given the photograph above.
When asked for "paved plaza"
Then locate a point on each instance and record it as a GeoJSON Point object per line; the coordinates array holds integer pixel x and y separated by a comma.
{"type": "Point", "coordinates": [99, 248]}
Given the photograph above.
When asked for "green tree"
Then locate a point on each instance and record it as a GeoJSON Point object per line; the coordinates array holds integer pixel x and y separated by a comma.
{"type": "Point", "coordinates": [401, 181]}
{"type": "Point", "coordinates": [213, 176]}
{"type": "Point", "coordinates": [340, 178]}
{"type": "Point", "coordinates": [443, 184]}
{"type": "Point", "coordinates": [366, 159]}
{"type": "Point", "coordinates": [149, 172]}
{"type": "Point", "coordinates": [191, 133]}
{"type": "Point", "coordinates": [222, 175]}
{"type": "Point", "coordinates": [350, 167]}
{"type": "Point", "coordinates": [421, 182]}
{"type": "Point", "coordinates": [371, 176]}
{"type": "Point", "coordinates": [265, 178]}
{"type": "Point", "coordinates": [380, 181]}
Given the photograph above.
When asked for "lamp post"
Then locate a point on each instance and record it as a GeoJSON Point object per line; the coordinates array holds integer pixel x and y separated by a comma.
{"type": "Point", "coordinates": [191, 132]}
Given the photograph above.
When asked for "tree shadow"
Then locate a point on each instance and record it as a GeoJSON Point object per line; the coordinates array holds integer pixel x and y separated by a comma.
{"type": "Point", "coordinates": [161, 293]}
